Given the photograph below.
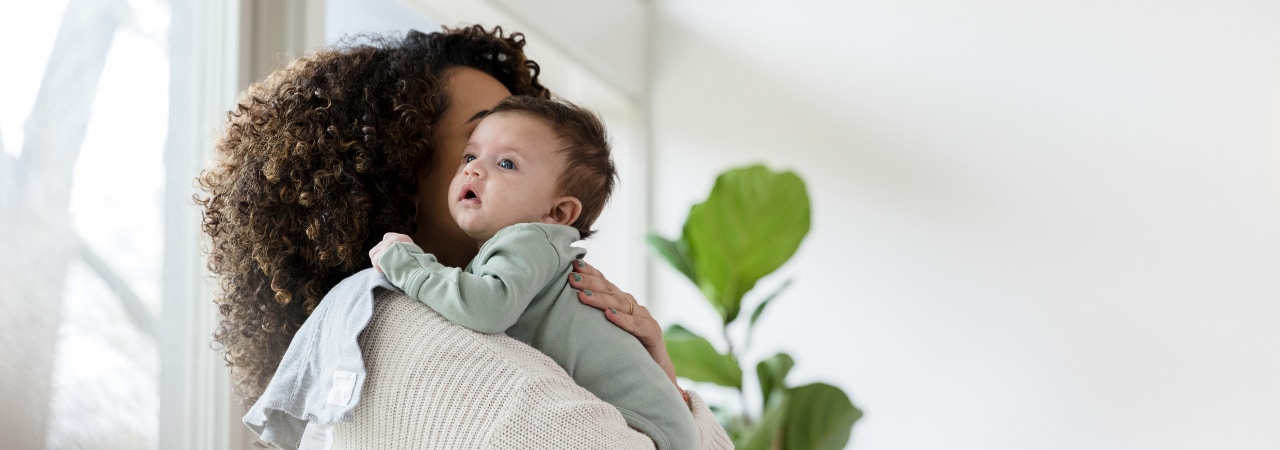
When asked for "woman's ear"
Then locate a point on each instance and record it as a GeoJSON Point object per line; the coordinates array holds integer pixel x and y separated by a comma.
{"type": "Point", "coordinates": [564, 212]}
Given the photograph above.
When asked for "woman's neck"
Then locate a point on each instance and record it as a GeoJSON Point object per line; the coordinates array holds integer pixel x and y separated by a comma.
{"type": "Point", "coordinates": [451, 247]}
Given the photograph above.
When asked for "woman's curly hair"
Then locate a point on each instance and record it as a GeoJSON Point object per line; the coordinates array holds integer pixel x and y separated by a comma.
{"type": "Point", "coordinates": [316, 162]}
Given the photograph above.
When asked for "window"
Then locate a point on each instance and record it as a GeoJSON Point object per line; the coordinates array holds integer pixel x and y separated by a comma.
{"type": "Point", "coordinates": [106, 113]}
{"type": "Point", "coordinates": [84, 122]}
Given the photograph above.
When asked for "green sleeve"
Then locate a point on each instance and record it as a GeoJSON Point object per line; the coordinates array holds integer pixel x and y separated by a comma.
{"type": "Point", "coordinates": [490, 296]}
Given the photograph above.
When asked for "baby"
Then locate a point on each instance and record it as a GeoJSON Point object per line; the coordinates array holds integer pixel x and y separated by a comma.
{"type": "Point", "coordinates": [535, 175]}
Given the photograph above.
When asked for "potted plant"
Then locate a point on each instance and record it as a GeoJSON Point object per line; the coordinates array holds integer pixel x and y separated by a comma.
{"type": "Point", "coordinates": [752, 222]}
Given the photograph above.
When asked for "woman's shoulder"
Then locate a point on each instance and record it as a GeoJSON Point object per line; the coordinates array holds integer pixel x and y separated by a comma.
{"type": "Point", "coordinates": [435, 381]}
{"type": "Point", "coordinates": [400, 323]}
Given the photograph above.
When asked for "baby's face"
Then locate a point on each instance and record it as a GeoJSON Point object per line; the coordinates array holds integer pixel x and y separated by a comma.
{"type": "Point", "coordinates": [509, 174]}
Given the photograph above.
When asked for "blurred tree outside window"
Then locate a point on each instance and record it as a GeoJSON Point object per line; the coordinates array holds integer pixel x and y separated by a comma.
{"type": "Point", "coordinates": [84, 100]}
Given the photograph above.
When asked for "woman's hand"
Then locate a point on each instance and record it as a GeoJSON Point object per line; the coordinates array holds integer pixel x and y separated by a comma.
{"type": "Point", "coordinates": [622, 309]}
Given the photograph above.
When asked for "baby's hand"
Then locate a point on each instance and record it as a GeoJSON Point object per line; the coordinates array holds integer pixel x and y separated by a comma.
{"type": "Point", "coordinates": [387, 239]}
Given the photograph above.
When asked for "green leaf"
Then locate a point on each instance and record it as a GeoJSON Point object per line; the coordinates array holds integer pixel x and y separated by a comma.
{"type": "Point", "coordinates": [772, 373]}
{"type": "Point", "coordinates": [767, 434]}
{"type": "Point", "coordinates": [750, 224]}
{"type": "Point", "coordinates": [674, 253]}
{"type": "Point", "coordinates": [819, 416]}
{"type": "Point", "coordinates": [697, 360]}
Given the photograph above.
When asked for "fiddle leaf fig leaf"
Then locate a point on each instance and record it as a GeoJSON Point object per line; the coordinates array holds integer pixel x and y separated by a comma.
{"type": "Point", "coordinates": [750, 224]}
{"type": "Point", "coordinates": [767, 434]}
{"type": "Point", "coordinates": [697, 360]}
{"type": "Point", "coordinates": [773, 373]}
{"type": "Point", "coordinates": [675, 253]}
{"type": "Point", "coordinates": [819, 417]}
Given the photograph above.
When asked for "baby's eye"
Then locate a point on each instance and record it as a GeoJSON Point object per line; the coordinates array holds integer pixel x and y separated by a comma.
{"type": "Point", "coordinates": [507, 164]}
{"type": "Point", "coordinates": [468, 158]}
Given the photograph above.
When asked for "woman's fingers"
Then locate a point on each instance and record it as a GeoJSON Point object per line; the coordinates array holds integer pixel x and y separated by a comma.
{"type": "Point", "coordinates": [581, 266]}
{"type": "Point", "coordinates": [599, 292]}
{"type": "Point", "coordinates": [639, 322]}
{"type": "Point", "coordinates": [641, 325]}
{"type": "Point", "coordinates": [586, 278]}
{"type": "Point", "coordinates": [619, 307]}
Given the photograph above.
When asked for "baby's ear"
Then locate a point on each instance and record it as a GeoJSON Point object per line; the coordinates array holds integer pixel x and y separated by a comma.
{"type": "Point", "coordinates": [564, 212]}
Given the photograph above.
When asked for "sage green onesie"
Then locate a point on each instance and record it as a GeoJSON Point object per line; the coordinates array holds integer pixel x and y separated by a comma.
{"type": "Point", "coordinates": [518, 284]}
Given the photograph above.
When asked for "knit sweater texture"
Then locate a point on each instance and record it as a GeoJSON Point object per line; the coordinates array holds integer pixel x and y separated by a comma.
{"type": "Point", "coordinates": [433, 384]}
{"type": "Point", "coordinates": [518, 285]}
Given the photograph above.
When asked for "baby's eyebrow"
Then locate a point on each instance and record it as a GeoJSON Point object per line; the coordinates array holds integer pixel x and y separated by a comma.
{"type": "Point", "coordinates": [482, 113]}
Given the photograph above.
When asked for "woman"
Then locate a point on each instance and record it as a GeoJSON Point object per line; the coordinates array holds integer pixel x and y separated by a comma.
{"type": "Point", "coordinates": [323, 157]}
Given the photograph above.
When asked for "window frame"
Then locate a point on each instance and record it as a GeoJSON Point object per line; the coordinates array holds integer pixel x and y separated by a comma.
{"type": "Point", "coordinates": [216, 50]}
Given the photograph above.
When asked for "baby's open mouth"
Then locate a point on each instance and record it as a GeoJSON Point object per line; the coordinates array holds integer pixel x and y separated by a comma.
{"type": "Point", "coordinates": [468, 194]}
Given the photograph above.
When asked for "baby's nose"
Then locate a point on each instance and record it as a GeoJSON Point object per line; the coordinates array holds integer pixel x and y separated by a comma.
{"type": "Point", "coordinates": [473, 169]}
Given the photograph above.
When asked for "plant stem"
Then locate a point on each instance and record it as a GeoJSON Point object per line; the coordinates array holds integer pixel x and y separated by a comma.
{"type": "Point", "coordinates": [742, 393]}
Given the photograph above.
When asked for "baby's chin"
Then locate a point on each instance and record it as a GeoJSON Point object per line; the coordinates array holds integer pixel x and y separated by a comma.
{"type": "Point", "coordinates": [480, 236]}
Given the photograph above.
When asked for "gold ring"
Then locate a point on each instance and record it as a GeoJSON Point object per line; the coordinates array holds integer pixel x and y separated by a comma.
{"type": "Point", "coordinates": [631, 306]}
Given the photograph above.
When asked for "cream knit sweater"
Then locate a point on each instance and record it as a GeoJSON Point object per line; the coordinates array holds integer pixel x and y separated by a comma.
{"type": "Point", "coordinates": [435, 384]}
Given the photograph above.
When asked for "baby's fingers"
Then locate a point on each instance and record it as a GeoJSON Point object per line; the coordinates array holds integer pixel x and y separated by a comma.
{"type": "Point", "coordinates": [387, 241]}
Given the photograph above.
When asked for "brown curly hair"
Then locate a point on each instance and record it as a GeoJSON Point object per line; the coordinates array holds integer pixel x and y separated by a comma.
{"type": "Point", "coordinates": [316, 162]}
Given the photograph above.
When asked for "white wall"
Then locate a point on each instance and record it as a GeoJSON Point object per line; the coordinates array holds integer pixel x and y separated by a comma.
{"type": "Point", "coordinates": [606, 37]}
{"type": "Point", "coordinates": [1037, 225]}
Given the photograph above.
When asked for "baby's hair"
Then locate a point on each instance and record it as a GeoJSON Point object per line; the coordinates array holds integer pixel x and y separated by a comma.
{"type": "Point", "coordinates": [588, 174]}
